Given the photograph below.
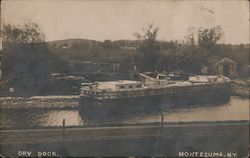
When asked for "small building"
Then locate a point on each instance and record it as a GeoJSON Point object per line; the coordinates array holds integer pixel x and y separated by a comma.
{"type": "Point", "coordinates": [220, 66]}
{"type": "Point", "coordinates": [119, 85]}
{"type": "Point", "coordinates": [154, 79]}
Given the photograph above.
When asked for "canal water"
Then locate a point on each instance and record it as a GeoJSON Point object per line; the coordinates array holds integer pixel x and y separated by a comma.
{"type": "Point", "coordinates": [235, 109]}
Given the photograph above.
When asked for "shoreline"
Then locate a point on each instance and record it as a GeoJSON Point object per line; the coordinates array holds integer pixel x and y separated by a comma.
{"type": "Point", "coordinates": [241, 88]}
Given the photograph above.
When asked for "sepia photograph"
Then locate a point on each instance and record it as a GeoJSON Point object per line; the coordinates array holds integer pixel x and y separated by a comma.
{"type": "Point", "coordinates": [124, 78]}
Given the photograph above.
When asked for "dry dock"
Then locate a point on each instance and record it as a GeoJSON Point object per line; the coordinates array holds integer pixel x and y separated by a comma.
{"type": "Point", "coordinates": [150, 140]}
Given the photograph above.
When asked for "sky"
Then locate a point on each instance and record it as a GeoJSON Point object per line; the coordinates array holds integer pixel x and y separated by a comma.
{"type": "Point", "coordinates": [120, 19]}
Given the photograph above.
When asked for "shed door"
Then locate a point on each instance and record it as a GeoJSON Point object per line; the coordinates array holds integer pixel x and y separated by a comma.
{"type": "Point", "coordinates": [226, 70]}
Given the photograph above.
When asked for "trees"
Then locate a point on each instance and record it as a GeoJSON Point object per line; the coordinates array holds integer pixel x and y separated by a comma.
{"type": "Point", "coordinates": [200, 43]}
{"type": "Point", "coordinates": [25, 58]}
{"type": "Point", "coordinates": [209, 37]}
{"type": "Point", "coordinates": [148, 47]}
{"type": "Point", "coordinates": [29, 33]}
{"type": "Point", "coordinates": [190, 37]}
{"type": "Point", "coordinates": [206, 38]}
{"type": "Point", "coordinates": [148, 39]}
{"type": "Point", "coordinates": [108, 44]}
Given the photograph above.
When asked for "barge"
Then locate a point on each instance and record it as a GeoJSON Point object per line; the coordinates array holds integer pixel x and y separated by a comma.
{"type": "Point", "coordinates": [114, 99]}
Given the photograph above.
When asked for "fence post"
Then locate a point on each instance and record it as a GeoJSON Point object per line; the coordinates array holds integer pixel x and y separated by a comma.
{"type": "Point", "coordinates": [63, 129]}
{"type": "Point", "coordinates": [162, 119]}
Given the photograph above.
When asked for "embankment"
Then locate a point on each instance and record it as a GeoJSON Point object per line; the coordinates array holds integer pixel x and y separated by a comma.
{"type": "Point", "coordinates": [241, 88]}
{"type": "Point", "coordinates": [52, 102]}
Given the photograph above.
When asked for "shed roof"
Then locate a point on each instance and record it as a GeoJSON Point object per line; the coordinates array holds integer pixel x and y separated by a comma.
{"type": "Point", "coordinates": [217, 59]}
{"type": "Point", "coordinates": [213, 59]}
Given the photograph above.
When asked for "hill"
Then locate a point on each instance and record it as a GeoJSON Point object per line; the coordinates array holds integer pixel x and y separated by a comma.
{"type": "Point", "coordinates": [73, 43]}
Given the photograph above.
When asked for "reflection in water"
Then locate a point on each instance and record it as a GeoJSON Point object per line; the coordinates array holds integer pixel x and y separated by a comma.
{"type": "Point", "coordinates": [235, 109]}
{"type": "Point", "coordinates": [54, 118]}
{"type": "Point", "coordinates": [39, 118]}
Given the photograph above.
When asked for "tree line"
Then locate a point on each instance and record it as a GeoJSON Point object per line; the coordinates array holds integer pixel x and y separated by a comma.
{"type": "Point", "coordinates": [27, 59]}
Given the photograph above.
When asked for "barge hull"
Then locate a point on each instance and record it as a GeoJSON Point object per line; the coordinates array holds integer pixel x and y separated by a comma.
{"type": "Point", "coordinates": [101, 110]}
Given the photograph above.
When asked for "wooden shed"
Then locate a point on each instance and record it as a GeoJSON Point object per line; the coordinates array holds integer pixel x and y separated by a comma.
{"type": "Point", "coordinates": [221, 66]}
